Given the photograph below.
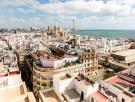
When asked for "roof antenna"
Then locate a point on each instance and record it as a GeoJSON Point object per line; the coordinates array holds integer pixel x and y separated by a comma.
{"type": "Point", "coordinates": [73, 25]}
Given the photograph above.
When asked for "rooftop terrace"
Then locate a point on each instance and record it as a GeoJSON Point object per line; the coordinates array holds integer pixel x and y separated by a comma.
{"type": "Point", "coordinates": [49, 96]}
{"type": "Point", "coordinates": [71, 94]}
{"type": "Point", "coordinates": [10, 93]}
{"type": "Point", "coordinates": [86, 81]}
{"type": "Point", "coordinates": [126, 53]}
{"type": "Point", "coordinates": [16, 93]}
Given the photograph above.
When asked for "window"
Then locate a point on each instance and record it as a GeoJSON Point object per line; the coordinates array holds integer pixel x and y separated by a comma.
{"type": "Point", "coordinates": [123, 100]}
{"type": "Point", "coordinates": [85, 65]}
{"type": "Point", "coordinates": [92, 99]}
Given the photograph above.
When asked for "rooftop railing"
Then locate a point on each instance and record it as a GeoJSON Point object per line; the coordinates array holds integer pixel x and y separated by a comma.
{"type": "Point", "coordinates": [126, 77]}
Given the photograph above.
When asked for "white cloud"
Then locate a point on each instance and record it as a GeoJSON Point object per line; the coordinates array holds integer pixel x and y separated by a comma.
{"type": "Point", "coordinates": [81, 6]}
{"type": "Point", "coordinates": [73, 7]}
{"type": "Point", "coordinates": [19, 22]}
{"type": "Point", "coordinates": [87, 12]}
{"type": "Point", "coordinates": [16, 2]}
{"type": "Point", "coordinates": [22, 10]}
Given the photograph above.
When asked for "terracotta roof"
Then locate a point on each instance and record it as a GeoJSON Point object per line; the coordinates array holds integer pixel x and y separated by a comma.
{"type": "Point", "coordinates": [99, 97]}
{"type": "Point", "coordinates": [116, 80]}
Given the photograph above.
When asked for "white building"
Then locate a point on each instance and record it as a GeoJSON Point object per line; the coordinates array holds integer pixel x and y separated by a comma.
{"type": "Point", "coordinates": [77, 86]}
{"type": "Point", "coordinates": [57, 62]}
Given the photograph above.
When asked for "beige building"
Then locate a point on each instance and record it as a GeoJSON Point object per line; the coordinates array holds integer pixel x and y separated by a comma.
{"type": "Point", "coordinates": [43, 77]}
{"type": "Point", "coordinates": [12, 89]}
{"type": "Point", "coordinates": [127, 56]}
{"type": "Point", "coordinates": [43, 72]}
{"type": "Point", "coordinates": [90, 61]}
{"type": "Point", "coordinates": [69, 87]}
{"type": "Point", "coordinates": [16, 93]}
{"type": "Point", "coordinates": [57, 31]}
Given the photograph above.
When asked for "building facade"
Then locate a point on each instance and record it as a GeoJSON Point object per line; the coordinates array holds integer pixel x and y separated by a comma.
{"type": "Point", "coordinates": [43, 77]}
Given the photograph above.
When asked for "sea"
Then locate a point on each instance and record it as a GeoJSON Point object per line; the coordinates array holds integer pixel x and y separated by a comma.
{"type": "Point", "coordinates": [110, 34]}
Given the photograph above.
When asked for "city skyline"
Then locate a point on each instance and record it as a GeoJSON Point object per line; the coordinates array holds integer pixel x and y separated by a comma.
{"type": "Point", "coordinates": [88, 14]}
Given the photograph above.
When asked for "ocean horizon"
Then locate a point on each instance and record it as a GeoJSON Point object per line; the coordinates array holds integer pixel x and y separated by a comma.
{"type": "Point", "coordinates": [110, 34]}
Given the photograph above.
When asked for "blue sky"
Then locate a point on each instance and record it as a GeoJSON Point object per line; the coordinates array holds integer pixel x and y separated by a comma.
{"type": "Point", "coordinates": [88, 14]}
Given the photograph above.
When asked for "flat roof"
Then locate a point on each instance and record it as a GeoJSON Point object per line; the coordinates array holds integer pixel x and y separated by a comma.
{"type": "Point", "coordinates": [126, 52]}
{"type": "Point", "coordinates": [121, 82]}
{"type": "Point", "coordinates": [130, 60]}
{"type": "Point", "coordinates": [55, 58]}
{"type": "Point", "coordinates": [85, 81]}
{"type": "Point", "coordinates": [11, 93]}
{"type": "Point", "coordinates": [50, 96]}
{"type": "Point", "coordinates": [71, 94]}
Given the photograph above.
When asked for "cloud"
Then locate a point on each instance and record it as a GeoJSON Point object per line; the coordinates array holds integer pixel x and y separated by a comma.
{"type": "Point", "coordinates": [19, 22]}
{"type": "Point", "coordinates": [81, 7]}
{"type": "Point", "coordinates": [22, 10]}
{"type": "Point", "coordinates": [86, 12]}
